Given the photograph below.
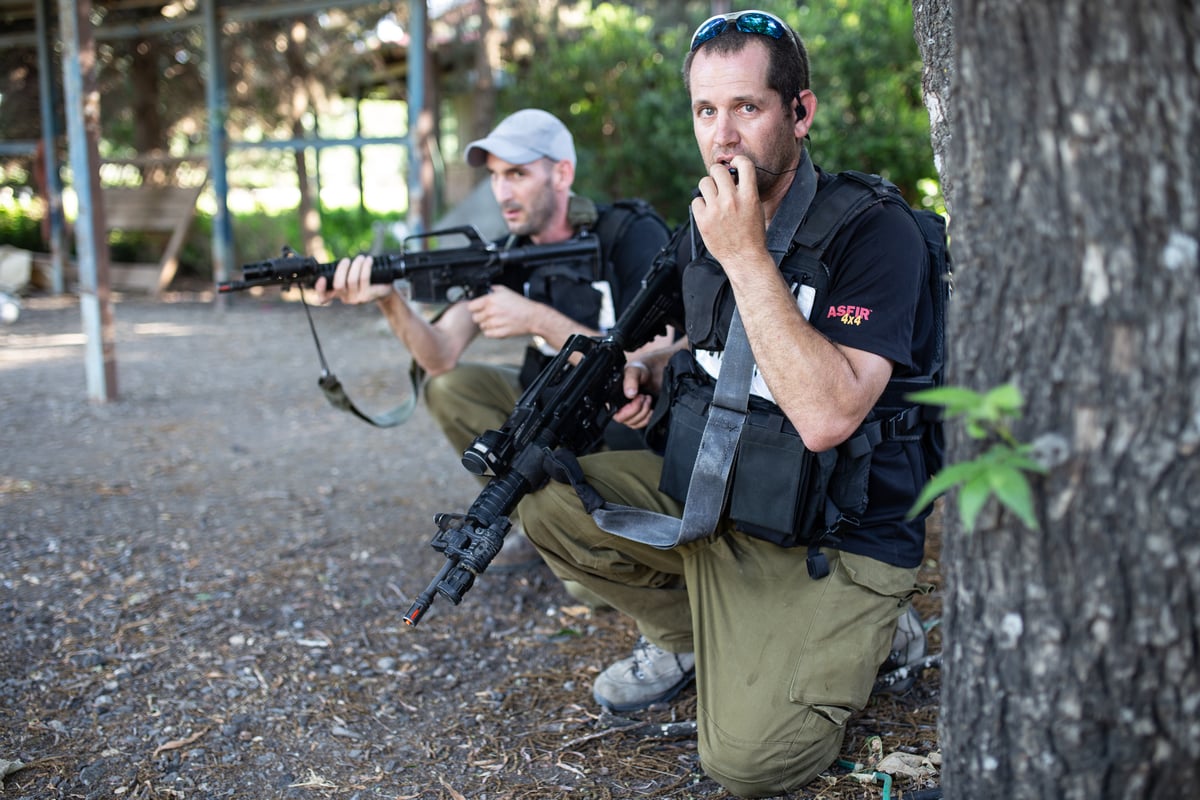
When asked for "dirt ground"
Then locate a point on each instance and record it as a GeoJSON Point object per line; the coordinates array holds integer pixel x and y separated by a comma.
{"type": "Point", "coordinates": [202, 586]}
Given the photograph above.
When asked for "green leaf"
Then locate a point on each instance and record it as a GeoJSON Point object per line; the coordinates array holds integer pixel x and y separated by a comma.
{"type": "Point", "coordinates": [960, 472]}
{"type": "Point", "coordinates": [977, 431]}
{"type": "Point", "coordinates": [1002, 470]}
{"type": "Point", "coordinates": [1003, 401]}
{"type": "Point", "coordinates": [971, 498]}
{"type": "Point", "coordinates": [927, 496]}
{"type": "Point", "coordinates": [955, 399]}
{"type": "Point", "coordinates": [1020, 460]}
{"type": "Point", "coordinates": [945, 480]}
{"type": "Point", "coordinates": [1012, 490]}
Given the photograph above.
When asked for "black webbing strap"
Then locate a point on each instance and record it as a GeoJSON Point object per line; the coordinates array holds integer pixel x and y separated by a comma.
{"type": "Point", "coordinates": [335, 393]}
{"type": "Point", "coordinates": [562, 466]}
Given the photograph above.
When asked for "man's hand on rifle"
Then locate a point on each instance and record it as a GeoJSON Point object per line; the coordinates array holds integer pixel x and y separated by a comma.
{"type": "Point", "coordinates": [352, 283]}
{"type": "Point", "coordinates": [636, 413]}
{"type": "Point", "coordinates": [502, 313]}
{"type": "Point", "coordinates": [643, 380]}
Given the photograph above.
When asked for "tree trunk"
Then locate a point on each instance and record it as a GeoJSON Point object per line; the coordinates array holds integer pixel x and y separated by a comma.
{"type": "Point", "coordinates": [148, 134]}
{"type": "Point", "coordinates": [301, 103]}
{"type": "Point", "coordinates": [1071, 160]}
{"type": "Point", "coordinates": [487, 62]}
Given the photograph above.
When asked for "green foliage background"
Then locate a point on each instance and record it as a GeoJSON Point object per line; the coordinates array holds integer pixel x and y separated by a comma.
{"type": "Point", "coordinates": [20, 230]}
{"type": "Point", "coordinates": [616, 81]}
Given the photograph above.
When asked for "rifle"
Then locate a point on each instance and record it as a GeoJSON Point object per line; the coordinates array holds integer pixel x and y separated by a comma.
{"type": "Point", "coordinates": [444, 275]}
{"type": "Point", "coordinates": [567, 406]}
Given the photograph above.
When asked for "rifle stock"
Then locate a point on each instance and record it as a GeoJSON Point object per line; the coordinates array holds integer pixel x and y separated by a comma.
{"type": "Point", "coordinates": [567, 406]}
{"type": "Point", "coordinates": [443, 275]}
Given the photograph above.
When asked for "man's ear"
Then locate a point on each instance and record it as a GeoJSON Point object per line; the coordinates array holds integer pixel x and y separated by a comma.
{"type": "Point", "coordinates": [564, 174]}
{"type": "Point", "coordinates": [805, 107]}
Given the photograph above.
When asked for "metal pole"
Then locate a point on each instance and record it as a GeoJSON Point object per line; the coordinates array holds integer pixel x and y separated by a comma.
{"type": "Point", "coordinates": [52, 179]}
{"type": "Point", "coordinates": [416, 104]}
{"type": "Point", "coordinates": [82, 105]}
{"type": "Point", "coordinates": [215, 97]}
{"type": "Point", "coordinates": [358, 156]}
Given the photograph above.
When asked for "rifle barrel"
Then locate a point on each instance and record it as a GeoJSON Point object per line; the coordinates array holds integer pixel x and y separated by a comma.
{"type": "Point", "coordinates": [472, 267]}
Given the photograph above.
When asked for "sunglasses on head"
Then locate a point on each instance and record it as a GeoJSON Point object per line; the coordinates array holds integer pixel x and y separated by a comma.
{"type": "Point", "coordinates": [759, 22]}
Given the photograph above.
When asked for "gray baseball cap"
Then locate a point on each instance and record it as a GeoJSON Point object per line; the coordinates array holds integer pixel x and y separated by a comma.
{"type": "Point", "coordinates": [522, 137]}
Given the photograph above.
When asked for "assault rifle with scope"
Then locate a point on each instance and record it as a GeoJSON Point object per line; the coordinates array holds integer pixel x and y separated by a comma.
{"type": "Point", "coordinates": [442, 275]}
{"type": "Point", "coordinates": [567, 406]}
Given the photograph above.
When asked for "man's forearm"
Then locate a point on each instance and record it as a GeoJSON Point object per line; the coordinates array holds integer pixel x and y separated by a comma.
{"type": "Point", "coordinates": [428, 347]}
{"type": "Point", "coordinates": [824, 389]}
{"type": "Point", "coordinates": [555, 327]}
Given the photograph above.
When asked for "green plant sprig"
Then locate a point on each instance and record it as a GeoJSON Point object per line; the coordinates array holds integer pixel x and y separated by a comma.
{"type": "Point", "coordinates": [1001, 470]}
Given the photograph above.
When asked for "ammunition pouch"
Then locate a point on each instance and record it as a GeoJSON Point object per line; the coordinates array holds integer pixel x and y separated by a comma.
{"type": "Point", "coordinates": [708, 298]}
{"type": "Point", "coordinates": [780, 491]}
{"type": "Point", "coordinates": [778, 486]}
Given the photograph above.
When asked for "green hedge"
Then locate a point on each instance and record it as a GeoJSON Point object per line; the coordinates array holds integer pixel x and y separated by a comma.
{"type": "Point", "coordinates": [21, 230]}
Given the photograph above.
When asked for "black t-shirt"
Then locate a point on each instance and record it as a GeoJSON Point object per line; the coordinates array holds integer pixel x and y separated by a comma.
{"type": "Point", "coordinates": [879, 301]}
{"type": "Point", "coordinates": [878, 279]}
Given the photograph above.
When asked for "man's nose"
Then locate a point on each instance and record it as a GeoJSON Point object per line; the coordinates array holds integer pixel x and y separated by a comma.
{"type": "Point", "coordinates": [726, 130]}
{"type": "Point", "coordinates": [502, 189]}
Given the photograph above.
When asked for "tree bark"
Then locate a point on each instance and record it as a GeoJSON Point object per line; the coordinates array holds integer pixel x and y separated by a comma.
{"type": "Point", "coordinates": [148, 134]}
{"type": "Point", "coordinates": [487, 62]}
{"type": "Point", "coordinates": [301, 84]}
{"type": "Point", "coordinates": [1069, 157]}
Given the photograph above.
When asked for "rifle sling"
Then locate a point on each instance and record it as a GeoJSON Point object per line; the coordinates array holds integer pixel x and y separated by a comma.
{"type": "Point", "coordinates": [709, 486]}
{"type": "Point", "coordinates": [335, 393]}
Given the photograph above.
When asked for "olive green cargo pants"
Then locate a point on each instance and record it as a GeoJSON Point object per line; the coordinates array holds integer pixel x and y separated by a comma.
{"type": "Point", "coordinates": [470, 399]}
{"type": "Point", "coordinates": [782, 660]}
